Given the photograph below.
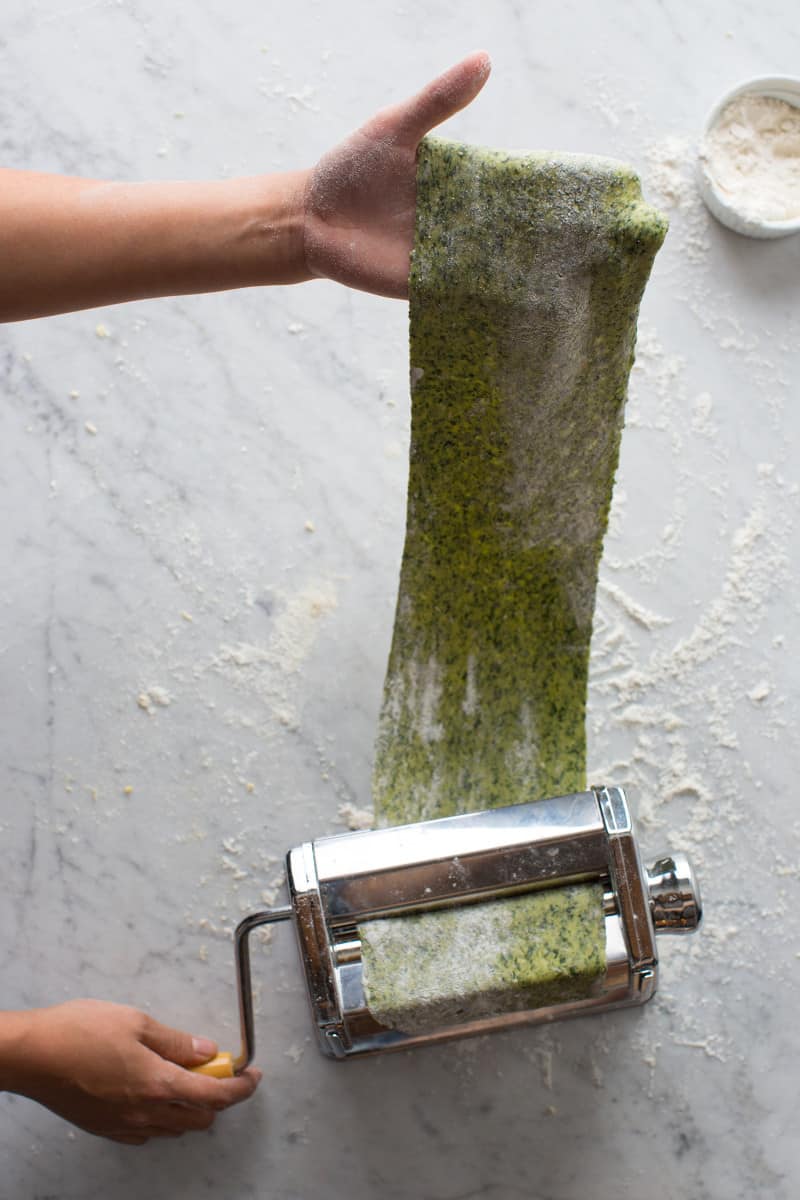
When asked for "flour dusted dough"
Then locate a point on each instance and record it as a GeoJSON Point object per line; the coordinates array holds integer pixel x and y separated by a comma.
{"type": "Point", "coordinates": [527, 274]}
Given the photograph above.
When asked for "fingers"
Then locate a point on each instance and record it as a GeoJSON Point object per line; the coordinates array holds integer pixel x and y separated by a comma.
{"type": "Point", "coordinates": [196, 1102]}
{"type": "Point", "coordinates": [205, 1092]}
{"type": "Point", "coordinates": [179, 1118]}
{"type": "Point", "coordinates": [444, 96]}
{"type": "Point", "coordinates": [173, 1118]}
{"type": "Point", "coordinates": [175, 1045]}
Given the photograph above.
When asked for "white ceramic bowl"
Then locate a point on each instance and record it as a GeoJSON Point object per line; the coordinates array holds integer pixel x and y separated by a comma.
{"type": "Point", "coordinates": [779, 87]}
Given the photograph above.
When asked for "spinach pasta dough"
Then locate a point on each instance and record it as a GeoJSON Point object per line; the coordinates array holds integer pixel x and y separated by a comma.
{"type": "Point", "coordinates": [527, 273]}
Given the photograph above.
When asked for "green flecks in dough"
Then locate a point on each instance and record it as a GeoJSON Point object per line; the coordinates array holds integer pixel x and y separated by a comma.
{"type": "Point", "coordinates": [502, 956]}
{"type": "Point", "coordinates": [526, 278]}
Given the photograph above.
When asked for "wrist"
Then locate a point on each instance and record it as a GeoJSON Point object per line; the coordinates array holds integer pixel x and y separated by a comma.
{"type": "Point", "coordinates": [270, 228]}
{"type": "Point", "coordinates": [16, 1030]}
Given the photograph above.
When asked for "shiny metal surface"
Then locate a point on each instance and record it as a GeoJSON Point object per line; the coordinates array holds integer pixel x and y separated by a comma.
{"type": "Point", "coordinates": [312, 934]}
{"type": "Point", "coordinates": [244, 983]}
{"type": "Point", "coordinates": [338, 881]}
{"type": "Point", "coordinates": [627, 877]}
{"type": "Point", "coordinates": [384, 871]}
{"type": "Point", "coordinates": [674, 895]}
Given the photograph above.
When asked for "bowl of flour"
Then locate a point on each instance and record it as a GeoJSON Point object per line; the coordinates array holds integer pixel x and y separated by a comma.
{"type": "Point", "coordinates": [749, 163]}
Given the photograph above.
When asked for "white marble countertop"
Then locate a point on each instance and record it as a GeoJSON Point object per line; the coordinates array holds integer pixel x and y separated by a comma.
{"type": "Point", "coordinates": [160, 462]}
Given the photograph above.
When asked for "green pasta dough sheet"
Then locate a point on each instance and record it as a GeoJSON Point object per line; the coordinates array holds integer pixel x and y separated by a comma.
{"type": "Point", "coordinates": [472, 962]}
{"type": "Point", "coordinates": [527, 273]}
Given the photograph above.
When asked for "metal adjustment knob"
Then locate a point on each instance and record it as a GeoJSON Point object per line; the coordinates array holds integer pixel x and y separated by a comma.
{"type": "Point", "coordinates": [674, 895]}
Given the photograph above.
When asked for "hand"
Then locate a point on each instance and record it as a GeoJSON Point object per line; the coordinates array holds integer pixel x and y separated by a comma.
{"type": "Point", "coordinates": [71, 243]}
{"type": "Point", "coordinates": [116, 1072]}
{"type": "Point", "coordinates": [361, 201]}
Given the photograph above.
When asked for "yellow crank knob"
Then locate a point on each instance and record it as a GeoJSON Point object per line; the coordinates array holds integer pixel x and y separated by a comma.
{"type": "Point", "coordinates": [220, 1066]}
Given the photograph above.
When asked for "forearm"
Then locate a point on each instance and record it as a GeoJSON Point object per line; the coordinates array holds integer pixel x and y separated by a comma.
{"type": "Point", "coordinates": [70, 243]}
{"type": "Point", "coordinates": [14, 1031]}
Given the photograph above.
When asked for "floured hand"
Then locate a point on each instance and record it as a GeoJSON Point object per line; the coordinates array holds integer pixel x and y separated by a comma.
{"type": "Point", "coordinates": [361, 197]}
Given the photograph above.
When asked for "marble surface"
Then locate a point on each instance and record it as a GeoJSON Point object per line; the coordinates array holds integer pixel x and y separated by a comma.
{"type": "Point", "coordinates": [160, 463]}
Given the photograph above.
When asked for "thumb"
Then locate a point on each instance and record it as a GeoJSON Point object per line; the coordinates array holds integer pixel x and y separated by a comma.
{"type": "Point", "coordinates": [175, 1045]}
{"type": "Point", "coordinates": [443, 97]}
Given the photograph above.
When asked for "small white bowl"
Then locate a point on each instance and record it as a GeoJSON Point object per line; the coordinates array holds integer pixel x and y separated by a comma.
{"type": "Point", "coordinates": [779, 87]}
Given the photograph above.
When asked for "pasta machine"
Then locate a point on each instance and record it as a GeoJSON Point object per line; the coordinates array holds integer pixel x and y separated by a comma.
{"type": "Point", "coordinates": [336, 883]}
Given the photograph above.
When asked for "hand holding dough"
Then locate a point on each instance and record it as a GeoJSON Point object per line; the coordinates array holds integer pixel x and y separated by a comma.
{"type": "Point", "coordinates": [359, 226]}
{"type": "Point", "coordinates": [68, 243]}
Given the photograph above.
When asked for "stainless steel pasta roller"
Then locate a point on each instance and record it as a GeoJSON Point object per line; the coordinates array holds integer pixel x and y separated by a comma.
{"type": "Point", "coordinates": [338, 883]}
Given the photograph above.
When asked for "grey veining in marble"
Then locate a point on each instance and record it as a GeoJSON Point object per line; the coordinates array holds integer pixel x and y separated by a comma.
{"type": "Point", "coordinates": [165, 557]}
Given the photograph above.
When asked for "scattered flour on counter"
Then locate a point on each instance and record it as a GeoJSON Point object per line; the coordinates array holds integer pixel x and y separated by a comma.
{"type": "Point", "coordinates": [709, 1045]}
{"type": "Point", "coordinates": [617, 111]}
{"type": "Point", "coordinates": [672, 707]}
{"type": "Point", "coordinates": [638, 714]}
{"type": "Point", "coordinates": [356, 818]}
{"type": "Point", "coordinates": [543, 1053]}
{"type": "Point", "coordinates": [153, 698]}
{"type": "Point", "coordinates": [759, 692]}
{"type": "Point", "coordinates": [302, 98]}
{"type": "Point", "coordinates": [702, 408]}
{"type": "Point", "coordinates": [269, 673]}
{"type": "Point", "coordinates": [670, 180]}
{"type": "Point", "coordinates": [669, 175]}
{"type": "Point", "coordinates": [235, 871]}
{"type": "Point", "coordinates": [637, 612]}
